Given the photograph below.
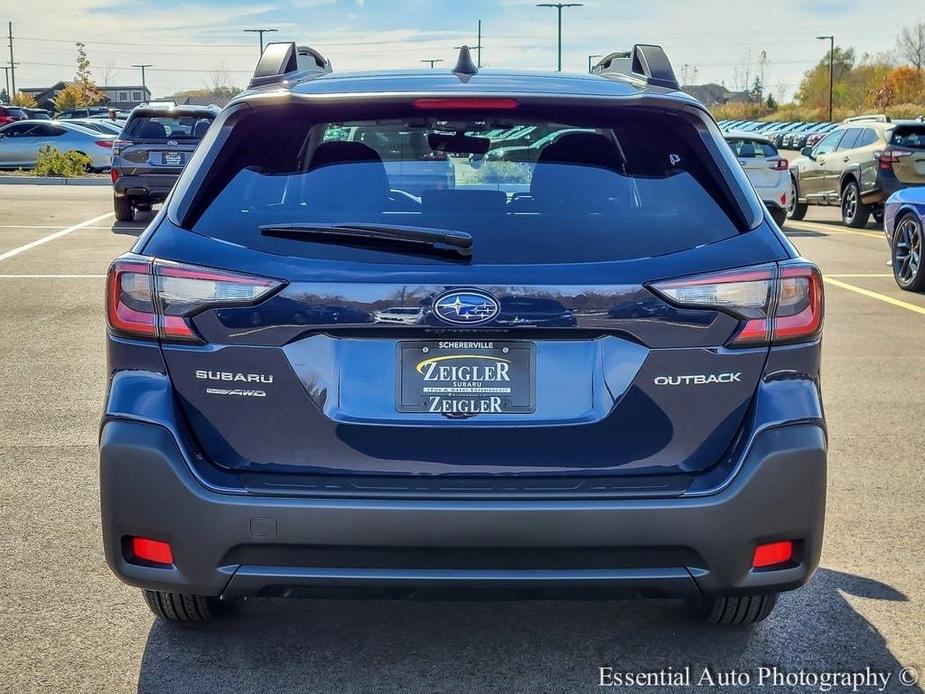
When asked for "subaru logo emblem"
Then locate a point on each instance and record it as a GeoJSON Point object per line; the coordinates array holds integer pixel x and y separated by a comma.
{"type": "Point", "coordinates": [466, 307]}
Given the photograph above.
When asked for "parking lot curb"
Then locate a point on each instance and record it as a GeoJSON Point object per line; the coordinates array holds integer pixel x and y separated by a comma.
{"type": "Point", "coordinates": [53, 181]}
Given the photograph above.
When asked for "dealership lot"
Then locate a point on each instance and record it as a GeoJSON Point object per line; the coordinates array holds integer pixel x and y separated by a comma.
{"type": "Point", "coordinates": [69, 625]}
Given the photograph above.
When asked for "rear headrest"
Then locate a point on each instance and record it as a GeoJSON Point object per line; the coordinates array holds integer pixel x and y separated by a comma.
{"type": "Point", "coordinates": [200, 129]}
{"type": "Point", "coordinates": [153, 130]}
{"type": "Point", "coordinates": [346, 176]}
{"type": "Point", "coordinates": [342, 153]}
{"type": "Point", "coordinates": [580, 170]}
{"type": "Point", "coordinates": [588, 149]}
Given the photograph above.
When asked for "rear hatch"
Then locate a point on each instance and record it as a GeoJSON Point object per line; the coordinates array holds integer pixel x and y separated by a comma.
{"type": "Point", "coordinates": [470, 331]}
{"type": "Point", "coordinates": [160, 142]}
{"type": "Point", "coordinates": [906, 153]}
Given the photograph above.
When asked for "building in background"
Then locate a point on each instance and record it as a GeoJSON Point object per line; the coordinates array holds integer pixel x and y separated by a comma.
{"type": "Point", "coordinates": [713, 94]}
{"type": "Point", "coordinates": [122, 98]}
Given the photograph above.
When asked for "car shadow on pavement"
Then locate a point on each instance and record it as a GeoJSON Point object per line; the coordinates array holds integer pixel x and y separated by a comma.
{"type": "Point", "coordinates": [136, 226]}
{"type": "Point", "coordinates": [351, 646]}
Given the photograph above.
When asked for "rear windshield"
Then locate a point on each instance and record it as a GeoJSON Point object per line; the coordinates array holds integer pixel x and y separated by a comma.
{"type": "Point", "coordinates": [746, 148]}
{"type": "Point", "coordinates": [614, 185]}
{"type": "Point", "coordinates": [912, 136]}
{"type": "Point", "coordinates": [13, 112]}
{"type": "Point", "coordinates": [169, 127]}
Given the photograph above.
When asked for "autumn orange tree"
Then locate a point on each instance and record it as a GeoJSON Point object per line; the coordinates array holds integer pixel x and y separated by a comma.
{"type": "Point", "coordinates": [82, 92]}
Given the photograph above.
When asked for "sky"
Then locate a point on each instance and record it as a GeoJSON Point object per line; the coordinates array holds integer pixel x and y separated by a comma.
{"type": "Point", "coordinates": [185, 42]}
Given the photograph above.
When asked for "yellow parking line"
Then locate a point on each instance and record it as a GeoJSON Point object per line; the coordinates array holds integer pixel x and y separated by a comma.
{"type": "Point", "coordinates": [861, 274]}
{"type": "Point", "coordinates": [832, 229]}
{"type": "Point", "coordinates": [876, 295]}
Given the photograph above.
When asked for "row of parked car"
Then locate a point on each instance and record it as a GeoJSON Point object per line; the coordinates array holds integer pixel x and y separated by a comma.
{"type": "Point", "coordinates": [783, 134]}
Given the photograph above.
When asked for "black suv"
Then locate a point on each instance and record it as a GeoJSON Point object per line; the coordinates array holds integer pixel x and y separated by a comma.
{"type": "Point", "coordinates": [157, 141]}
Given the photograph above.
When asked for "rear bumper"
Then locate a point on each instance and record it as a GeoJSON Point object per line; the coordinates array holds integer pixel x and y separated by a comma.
{"type": "Point", "coordinates": [153, 187]}
{"type": "Point", "coordinates": [238, 545]}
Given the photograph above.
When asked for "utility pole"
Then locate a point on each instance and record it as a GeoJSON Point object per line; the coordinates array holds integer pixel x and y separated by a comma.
{"type": "Point", "coordinates": [260, 32]}
{"type": "Point", "coordinates": [432, 62]}
{"type": "Point", "coordinates": [559, 6]}
{"type": "Point", "coordinates": [143, 85]}
{"type": "Point", "coordinates": [6, 72]}
{"type": "Point", "coordinates": [831, 40]}
{"type": "Point", "coordinates": [592, 57]}
{"type": "Point", "coordinates": [12, 63]}
{"type": "Point", "coordinates": [478, 48]}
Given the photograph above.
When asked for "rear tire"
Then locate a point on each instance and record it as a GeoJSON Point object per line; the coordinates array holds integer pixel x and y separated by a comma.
{"type": "Point", "coordinates": [854, 213]}
{"type": "Point", "coordinates": [795, 210]}
{"type": "Point", "coordinates": [123, 208]}
{"type": "Point", "coordinates": [906, 253]}
{"type": "Point", "coordinates": [740, 609]}
{"type": "Point", "coordinates": [180, 607]}
{"type": "Point", "coordinates": [779, 215]}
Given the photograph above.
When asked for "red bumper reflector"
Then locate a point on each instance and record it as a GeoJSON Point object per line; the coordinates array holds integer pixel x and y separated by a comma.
{"type": "Point", "coordinates": [154, 551]}
{"type": "Point", "coordinates": [772, 554]}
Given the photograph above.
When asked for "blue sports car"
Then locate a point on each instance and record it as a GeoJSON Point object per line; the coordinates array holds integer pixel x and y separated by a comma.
{"type": "Point", "coordinates": [903, 222]}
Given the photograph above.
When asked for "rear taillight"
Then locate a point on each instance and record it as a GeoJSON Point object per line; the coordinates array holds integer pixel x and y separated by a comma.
{"type": "Point", "coordinates": [782, 304]}
{"type": "Point", "coordinates": [158, 299]}
{"type": "Point", "coordinates": [104, 143]}
{"type": "Point", "coordinates": [118, 145]}
{"type": "Point", "coordinates": [780, 164]}
{"type": "Point", "coordinates": [888, 157]}
{"type": "Point", "coordinates": [114, 174]}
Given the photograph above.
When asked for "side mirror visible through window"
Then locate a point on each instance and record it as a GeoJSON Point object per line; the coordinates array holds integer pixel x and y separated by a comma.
{"type": "Point", "coordinates": [807, 152]}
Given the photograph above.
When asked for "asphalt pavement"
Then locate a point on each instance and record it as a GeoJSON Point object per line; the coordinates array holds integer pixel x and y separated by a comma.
{"type": "Point", "coordinates": [67, 624]}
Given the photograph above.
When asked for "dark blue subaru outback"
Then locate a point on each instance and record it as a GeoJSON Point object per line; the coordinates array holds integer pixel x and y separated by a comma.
{"type": "Point", "coordinates": [335, 370]}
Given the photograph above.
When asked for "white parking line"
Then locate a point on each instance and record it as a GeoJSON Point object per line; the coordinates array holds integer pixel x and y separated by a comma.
{"type": "Point", "coordinates": [52, 226]}
{"type": "Point", "coordinates": [52, 237]}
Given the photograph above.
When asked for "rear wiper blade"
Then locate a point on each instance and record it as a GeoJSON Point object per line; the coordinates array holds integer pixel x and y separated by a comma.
{"type": "Point", "coordinates": [459, 242]}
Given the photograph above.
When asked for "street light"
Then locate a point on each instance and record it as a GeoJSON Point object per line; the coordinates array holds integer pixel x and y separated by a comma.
{"type": "Point", "coordinates": [592, 57]}
{"type": "Point", "coordinates": [432, 61]}
{"type": "Point", "coordinates": [259, 32]}
{"type": "Point", "coordinates": [831, 40]}
{"type": "Point", "coordinates": [143, 85]}
{"type": "Point", "coordinates": [559, 6]}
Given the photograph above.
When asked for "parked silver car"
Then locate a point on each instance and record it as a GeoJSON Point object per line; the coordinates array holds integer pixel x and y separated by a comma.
{"type": "Point", "coordinates": [21, 141]}
{"type": "Point", "coordinates": [99, 125]}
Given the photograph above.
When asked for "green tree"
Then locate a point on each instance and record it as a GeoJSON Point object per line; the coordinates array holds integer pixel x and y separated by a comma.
{"type": "Point", "coordinates": [85, 92]}
{"type": "Point", "coordinates": [4, 96]}
{"type": "Point", "coordinates": [814, 89]}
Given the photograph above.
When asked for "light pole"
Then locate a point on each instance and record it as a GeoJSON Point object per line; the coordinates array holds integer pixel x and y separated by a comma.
{"type": "Point", "coordinates": [143, 84]}
{"type": "Point", "coordinates": [432, 61]}
{"type": "Point", "coordinates": [559, 6]}
{"type": "Point", "coordinates": [831, 40]}
{"type": "Point", "coordinates": [260, 33]}
{"type": "Point", "coordinates": [592, 57]}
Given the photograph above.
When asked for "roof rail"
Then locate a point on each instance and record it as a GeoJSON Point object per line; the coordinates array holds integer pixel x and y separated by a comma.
{"type": "Point", "coordinates": [876, 117]}
{"type": "Point", "coordinates": [645, 63]}
{"type": "Point", "coordinates": [286, 62]}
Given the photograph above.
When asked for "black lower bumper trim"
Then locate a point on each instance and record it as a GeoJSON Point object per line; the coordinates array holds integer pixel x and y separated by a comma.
{"type": "Point", "coordinates": [270, 581]}
{"type": "Point", "coordinates": [243, 544]}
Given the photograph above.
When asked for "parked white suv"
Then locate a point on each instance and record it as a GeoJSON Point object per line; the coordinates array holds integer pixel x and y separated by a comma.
{"type": "Point", "coordinates": [766, 169]}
